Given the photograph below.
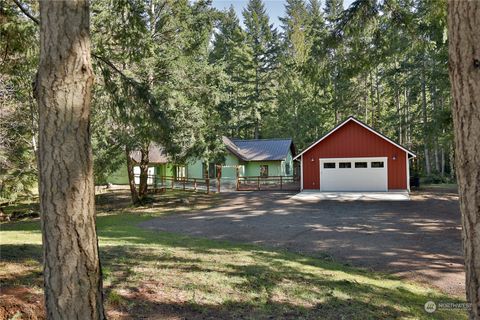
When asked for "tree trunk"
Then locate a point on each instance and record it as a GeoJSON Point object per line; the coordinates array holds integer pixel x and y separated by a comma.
{"type": "Point", "coordinates": [451, 160]}
{"type": "Point", "coordinates": [442, 164]}
{"type": "Point", "coordinates": [131, 176]}
{"type": "Point", "coordinates": [424, 115]}
{"type": "Point", "coordinates": [72, 273]}
{"type": "Point", "coordinates": [143, 187]}
{"type": "Point", "coordinates": [464, 65]}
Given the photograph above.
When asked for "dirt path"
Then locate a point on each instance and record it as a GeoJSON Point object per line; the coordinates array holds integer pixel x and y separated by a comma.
{"type": "Point", "coordinates": [417, 240]}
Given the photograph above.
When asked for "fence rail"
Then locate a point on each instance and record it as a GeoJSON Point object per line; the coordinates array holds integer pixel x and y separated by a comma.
{"type": "Point", "coordinates": [246, 183]}
{"type": "Point", "coordinates": [161, 183]}
{"type": "Point", "coordinates": [268, 183]}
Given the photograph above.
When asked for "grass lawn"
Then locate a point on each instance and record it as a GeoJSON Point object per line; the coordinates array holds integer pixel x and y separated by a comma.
{"type": "Point", "coordinates": [159, 275]}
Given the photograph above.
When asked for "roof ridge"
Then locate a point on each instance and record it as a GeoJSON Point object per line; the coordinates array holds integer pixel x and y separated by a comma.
{"type": "Point", "coordinates": [265, 139]}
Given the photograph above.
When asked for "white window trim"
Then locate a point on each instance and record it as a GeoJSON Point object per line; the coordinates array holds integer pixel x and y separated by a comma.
{"type": "Point", "coordinates": [301, 173]}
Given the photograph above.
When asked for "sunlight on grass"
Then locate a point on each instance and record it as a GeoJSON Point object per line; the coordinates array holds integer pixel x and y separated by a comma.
{"type": "Point", "coordinates": [148, 273]}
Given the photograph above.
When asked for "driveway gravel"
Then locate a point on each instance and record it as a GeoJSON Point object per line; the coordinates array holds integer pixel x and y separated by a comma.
{"type": "Point", "coordinates": [417, 240]}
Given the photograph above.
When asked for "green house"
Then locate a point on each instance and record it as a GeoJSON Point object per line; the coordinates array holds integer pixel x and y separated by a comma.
{"type": "Point", "coordinates": [250, 158]}
{"type": "Point", "coordinates": [243, 158]}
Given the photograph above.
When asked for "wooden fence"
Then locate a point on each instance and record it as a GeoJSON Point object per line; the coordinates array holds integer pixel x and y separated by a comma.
{"type": "Point", "coordinates": [249, 183]}
{"type": "Point", "coordinates": [161, 183]}
{"type": "Point", "coordinates": [268, 183]}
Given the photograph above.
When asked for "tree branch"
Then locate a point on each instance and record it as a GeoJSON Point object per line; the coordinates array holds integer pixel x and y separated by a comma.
{"type": "Point", "coordinates": [25, 11]}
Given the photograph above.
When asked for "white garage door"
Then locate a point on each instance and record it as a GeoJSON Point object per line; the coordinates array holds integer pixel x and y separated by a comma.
{"type": "Point", "coordinates": [353, 174]}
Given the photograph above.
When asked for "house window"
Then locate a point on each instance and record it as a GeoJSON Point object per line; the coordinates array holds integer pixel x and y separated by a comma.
{"type": "Point", "coordinates": [287, 168]}
{"type": "Point", "coordinates": [377, 164]}
{"type": "Point", "coordinates": [263, 171]}
{"type": "Point", "coordinates": [181, 172]}
{"type": "Point", "coordinates": [204, 170]}
{"type": "Point", "coordinates": [208, 170]}
{"type": "Point", "coordinates": [345, 165]}
{"type": "Point", "coordinates": [329, 165]}
{"type": "Point", "coordinates": [361, 165]}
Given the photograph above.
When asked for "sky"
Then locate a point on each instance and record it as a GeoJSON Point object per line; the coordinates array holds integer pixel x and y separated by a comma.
{"type": "Point", "coordinates": [274, 8]}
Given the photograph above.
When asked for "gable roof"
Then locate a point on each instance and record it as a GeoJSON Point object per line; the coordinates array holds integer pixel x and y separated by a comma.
{"type": "Point", "coordinates": [351, 118]}
{"type": "Point", "coordinates": [156, 154]}
{"type": "Point", "coordinates": [259, 149]}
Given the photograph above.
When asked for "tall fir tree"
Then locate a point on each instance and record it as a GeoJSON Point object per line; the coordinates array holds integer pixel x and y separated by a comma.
{"type": "Point", "coordinates": [263, 41]}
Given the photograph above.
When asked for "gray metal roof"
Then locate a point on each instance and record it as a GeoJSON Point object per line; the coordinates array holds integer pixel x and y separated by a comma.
{"type": "Point", "coordinates": [246, 150]}
{"type": "Point", "coordinates": [259, 149]}
{"type": "Point", "coordinates": [156, 154]}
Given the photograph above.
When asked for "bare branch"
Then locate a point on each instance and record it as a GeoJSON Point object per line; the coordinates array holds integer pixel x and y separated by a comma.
{"type": "Point", "coordinates": [26, 12]}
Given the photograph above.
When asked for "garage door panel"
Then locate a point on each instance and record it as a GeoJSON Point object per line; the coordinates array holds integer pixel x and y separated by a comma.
{"type": "Point", "coordinates": [350, 178]}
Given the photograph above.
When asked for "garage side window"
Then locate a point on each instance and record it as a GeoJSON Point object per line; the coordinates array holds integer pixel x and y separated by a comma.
{"type": "Point", "coordinates": [360, 164]}
{"type": "Point", "coordinates": [345, 165]}
{"type": "Point", "coordinates": [329, 165]}
{"type": "Point", "coordinates": [377, 164]}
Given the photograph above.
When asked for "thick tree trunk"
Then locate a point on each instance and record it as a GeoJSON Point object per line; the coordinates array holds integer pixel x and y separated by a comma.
{"type": "Point", "coordinates": [73, 283]}
{"type": "Point", "coordinates": [464, 65]}
{"type": "Point", "coordinates": [131, 176]}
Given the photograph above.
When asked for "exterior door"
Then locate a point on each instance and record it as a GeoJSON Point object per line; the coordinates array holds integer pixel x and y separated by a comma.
{"type": "Point", "coordinates": [353, 174]}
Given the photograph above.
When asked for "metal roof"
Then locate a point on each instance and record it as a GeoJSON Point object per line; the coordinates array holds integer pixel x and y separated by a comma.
{"type": "Point", "coordinates": [156, 154]}
{"type": "Point", "coordinates": [246, 150]}
{"type": "Point", "coordinates": [259, 149]}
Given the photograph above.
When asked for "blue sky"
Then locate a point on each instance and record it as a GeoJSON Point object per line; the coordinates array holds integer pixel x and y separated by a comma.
{"type": "Point", "coordinates": [274, 8]}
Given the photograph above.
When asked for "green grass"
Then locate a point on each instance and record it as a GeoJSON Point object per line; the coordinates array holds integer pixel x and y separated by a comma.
{"type": "Point", "coordinates": [449, 187]}
{"type": "Point", "coordinates": [155, 273]}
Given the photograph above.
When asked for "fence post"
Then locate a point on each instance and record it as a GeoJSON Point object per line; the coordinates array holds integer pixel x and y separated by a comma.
{"type": "Point", "coordinates": [208, 185]}
{"type": "Point", "coordinates": [218, 185]}
{"type": "Point", "coordinates": [258, 182]}
{"type": "Point", "coordinates": [183, 183]}
{"type": "Point", "coordinates": [194, 184]}
{"type": "Point", "coordinates": [281, 185]}
{"type": "Point", "coordinates": [173, 182]}
{"type": "Point", "coordinates": [238, 183]}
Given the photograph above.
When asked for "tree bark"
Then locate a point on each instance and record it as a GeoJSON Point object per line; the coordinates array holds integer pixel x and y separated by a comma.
{"type": "Point", "coordinates": [131, 176]}
{"type": "Point", "coordinates": [72, 273]}
{"type": "Point", "coordinates": [464, 65]}
{"type": "Point", "coordinates": [425, 118]}
{"type": "Point", "coordinates": [143, 187]}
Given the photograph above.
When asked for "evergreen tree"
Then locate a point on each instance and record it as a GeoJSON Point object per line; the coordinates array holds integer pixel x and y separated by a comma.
{"type": "Point", "coordinates": [260, 68]}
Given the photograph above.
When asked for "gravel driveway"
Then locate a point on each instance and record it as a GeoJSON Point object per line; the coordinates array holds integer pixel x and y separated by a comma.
{"type": "Point", "coordinates": [417, 240]}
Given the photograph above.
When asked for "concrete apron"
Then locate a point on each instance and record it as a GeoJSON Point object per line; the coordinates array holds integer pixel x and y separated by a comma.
{"type": "Point", "coordinates": [313, 195]}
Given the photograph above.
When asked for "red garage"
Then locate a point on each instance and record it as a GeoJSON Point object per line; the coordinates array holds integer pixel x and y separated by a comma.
{"type": "Point", "coordinates": [355, 157]}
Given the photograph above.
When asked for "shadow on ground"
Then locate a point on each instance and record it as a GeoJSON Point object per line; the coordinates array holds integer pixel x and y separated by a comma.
{"type": "Point", "coordinates": [418, 239]}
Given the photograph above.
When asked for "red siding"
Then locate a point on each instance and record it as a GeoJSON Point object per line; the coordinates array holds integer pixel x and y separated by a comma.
{"type": "Point", "coordinates": [353, 140]}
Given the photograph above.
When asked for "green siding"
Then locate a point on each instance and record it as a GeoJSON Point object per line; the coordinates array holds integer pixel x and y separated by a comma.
{"type": "Point", "coordinates": [120, 177]}
{"type": "Point", "coordinates": [229, 171]}
{"type": "Point", "coordinates": [195, 169]}
{"type": "Point", "coordinates": [274, 168]}
{"type": "Point", "coordinates": [288, 160]}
